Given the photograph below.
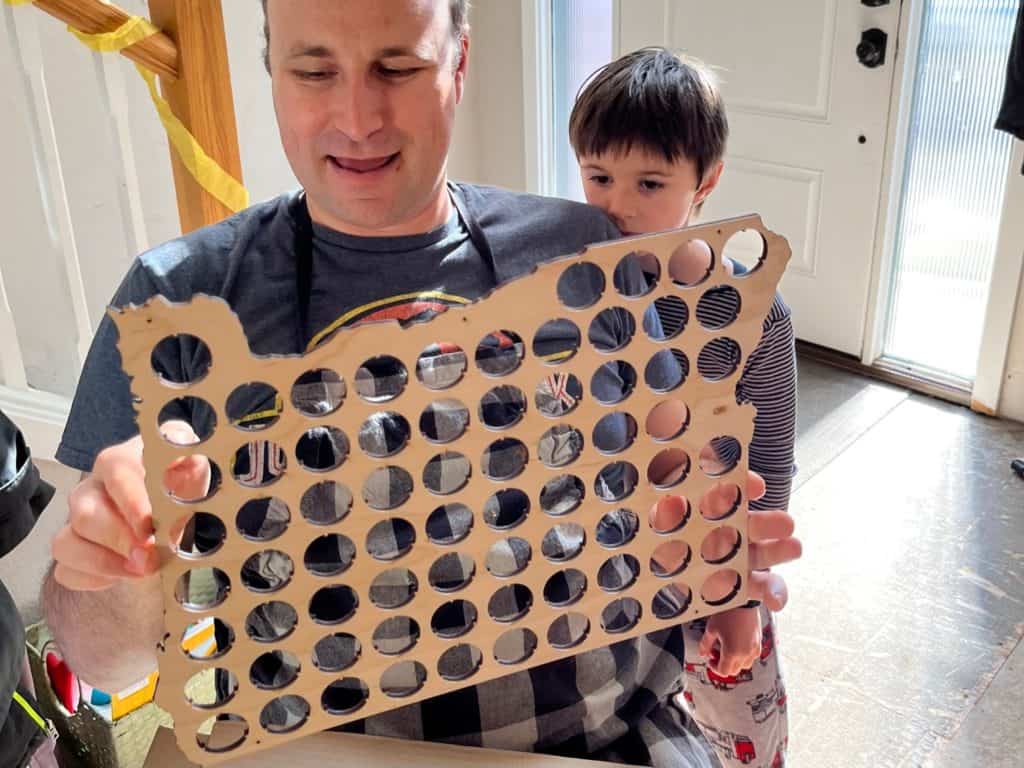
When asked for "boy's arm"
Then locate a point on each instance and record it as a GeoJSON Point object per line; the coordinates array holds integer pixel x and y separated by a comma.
{"type": "Point", "coordinates": [770, 383]}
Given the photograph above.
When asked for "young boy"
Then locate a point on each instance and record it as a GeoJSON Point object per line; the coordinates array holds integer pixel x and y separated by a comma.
{"type": "Point", "coordinates": [649, 132]}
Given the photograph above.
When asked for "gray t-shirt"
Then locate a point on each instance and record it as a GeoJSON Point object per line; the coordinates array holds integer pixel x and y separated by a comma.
{"type": "Point", "coordinates": [250, 260]}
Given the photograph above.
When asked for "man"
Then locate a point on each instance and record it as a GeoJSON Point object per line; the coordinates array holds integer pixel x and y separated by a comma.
{"type": "Point", "coordinates": [365, 95]}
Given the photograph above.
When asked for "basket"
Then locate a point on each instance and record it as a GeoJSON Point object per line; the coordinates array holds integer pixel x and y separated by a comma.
{"type": "Point", "coordinates": [85, 734]}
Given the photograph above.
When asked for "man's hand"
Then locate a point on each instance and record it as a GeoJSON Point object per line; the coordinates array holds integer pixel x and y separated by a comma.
{"type": "Point", "coordinates": [109, 534]}
{"type": "Point", "coordinates": [732, 641]}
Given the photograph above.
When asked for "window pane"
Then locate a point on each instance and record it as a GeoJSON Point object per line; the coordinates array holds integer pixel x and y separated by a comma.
{"type": "Point", "coordinates": [954, 182]}
{"type": "Point", "coordinates": [582, 42]}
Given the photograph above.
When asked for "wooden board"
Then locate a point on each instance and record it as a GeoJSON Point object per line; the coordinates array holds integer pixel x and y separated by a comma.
{"type": "Point", "coordinates": [317, 554]}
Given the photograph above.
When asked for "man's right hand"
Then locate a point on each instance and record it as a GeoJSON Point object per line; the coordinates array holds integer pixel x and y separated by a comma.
{"type": "Point", "coordinates": [109, 534]}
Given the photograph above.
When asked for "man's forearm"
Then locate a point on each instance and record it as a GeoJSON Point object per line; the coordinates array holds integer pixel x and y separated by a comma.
{"type": "Point", "coordinates": [108, 638]}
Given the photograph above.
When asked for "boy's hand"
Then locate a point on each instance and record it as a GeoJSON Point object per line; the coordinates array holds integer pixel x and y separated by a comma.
{"type": "Point", "coordinates": [732, 641]}
{"type": "Point", "coordinates": [771, 543]}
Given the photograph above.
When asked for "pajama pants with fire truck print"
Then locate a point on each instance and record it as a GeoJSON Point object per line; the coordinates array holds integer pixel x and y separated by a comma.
{"type": "Point", "coordinates": [743, 717]}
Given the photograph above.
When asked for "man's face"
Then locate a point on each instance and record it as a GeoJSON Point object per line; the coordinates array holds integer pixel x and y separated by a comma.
{"type": "Point", "coordinates": [365, 95]}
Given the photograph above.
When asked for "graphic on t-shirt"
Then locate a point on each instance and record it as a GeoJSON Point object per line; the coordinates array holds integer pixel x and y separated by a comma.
{"type": "Point", "coordinates": [416, 307]}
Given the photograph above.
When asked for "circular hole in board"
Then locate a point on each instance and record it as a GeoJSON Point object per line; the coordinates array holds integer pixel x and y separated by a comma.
{"type": "Point", "coordinates": [616, 481]}
{"type": "Point", "coordinates": [195, 413]}
{"type": "Point", "coordinates": [403, 679]}
{"type": "Point", "coordinates": [568, 630]}
{"type": "Point", "coordinates": [222, 733]}
{"type": "Point", "coordinates": [200, 589]}
{"type": "Point", "coordinates": [284, 714]}
{"type": "Point", "coordinates": [322, 449]}
{"type": "Point", "coordinates": [636, 274]}
{"type": "Point", "coordinates": [499, 353]}
{"type": "Point", "coordinates": [263, 519]}
{"type": "Point", "coordinates": [271, 621]}
{"type": "Point", "coordinates": [182, 360]}
{"type": "Point", "coordinates": [515, 646]}
{"type": "Point", "coordinates": [319, 392]}
{"type": "Point", "coordinates": [691, 263]}
{"type": "Point", "coordinates": [719, 307]}
{"type": "Point", "coordinates": [618, 572]}
{"type": "Point", "coordinates": [581, 285]}
{"type": "Point", "coordinates": [441, 365]}
{"type": "Point", "coordinates": [253, 406]}
{"type": "Point", "coordinates": [336, 652]}
{"type": "Point", "coordinates": [344, 696]}
{"type": "Point", "coordinates": [393, 588]}
{"type": "Point", "coordinates": [612, 329]}
{"type": "Point", "coordinates": [326, 503]}
{"type": "Point", "coordinates": [384, 434]}
{"type": "Point", "coordinates": [381, 379]}
{"type": "Point", "coordinates": [267, 571]}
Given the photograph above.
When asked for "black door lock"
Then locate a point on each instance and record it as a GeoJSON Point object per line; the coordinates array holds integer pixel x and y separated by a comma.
{"type": "Point", "coordinates": [874, 3]}
{"type": "Point", "coordinates": [871, 49]}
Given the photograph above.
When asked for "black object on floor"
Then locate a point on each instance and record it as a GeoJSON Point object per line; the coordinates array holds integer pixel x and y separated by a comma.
{"type": "Point", "coordinates": [1017, 465]}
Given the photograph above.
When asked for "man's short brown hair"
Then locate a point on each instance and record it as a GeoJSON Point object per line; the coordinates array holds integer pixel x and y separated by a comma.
{"type": "Point", "coordinates": [655, 100]}
{"type": "Point", "coordinates": [459, 10]}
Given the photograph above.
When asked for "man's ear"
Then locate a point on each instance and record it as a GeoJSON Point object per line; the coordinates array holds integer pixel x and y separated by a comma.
{"type": "Point", "coordinates": [710, 182]}
{"type": "Point", "coordinates": [461, 69]}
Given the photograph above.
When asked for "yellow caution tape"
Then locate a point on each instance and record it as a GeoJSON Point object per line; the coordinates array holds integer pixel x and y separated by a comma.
{"type": "Point", "coordinates": [131, 32]}
{"type": "Point", "coordinates": [203, 168]}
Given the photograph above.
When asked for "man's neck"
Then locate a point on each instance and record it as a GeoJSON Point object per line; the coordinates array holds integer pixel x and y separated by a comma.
{"type": "Point", "coordinates": [432, 216]}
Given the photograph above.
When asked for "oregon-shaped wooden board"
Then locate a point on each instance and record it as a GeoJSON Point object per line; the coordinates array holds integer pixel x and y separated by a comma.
{"type": "Point", "coordinates": [405, 511]}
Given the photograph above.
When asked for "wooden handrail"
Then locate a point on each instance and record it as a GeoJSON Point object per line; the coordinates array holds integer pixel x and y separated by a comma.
{"type": "Point", "coordinates": [157, 53]}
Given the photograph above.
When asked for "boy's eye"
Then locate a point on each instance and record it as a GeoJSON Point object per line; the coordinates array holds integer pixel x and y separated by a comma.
{"type": "Point", "coordinates": [647, 185]}
{"type": "Point", "coordinates": [600, 178]}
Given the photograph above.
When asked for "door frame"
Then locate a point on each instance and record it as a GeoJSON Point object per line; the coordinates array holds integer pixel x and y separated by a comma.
{"type": "Point", "coordinates": [1009, 258]}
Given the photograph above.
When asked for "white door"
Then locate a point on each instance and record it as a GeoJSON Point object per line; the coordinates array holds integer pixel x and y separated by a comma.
{"type": "Point", "coordinates": [808, 127]}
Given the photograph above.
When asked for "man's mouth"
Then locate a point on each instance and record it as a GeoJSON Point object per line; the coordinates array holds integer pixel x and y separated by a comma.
{"type": "Point", "coordinates": [361, 164]}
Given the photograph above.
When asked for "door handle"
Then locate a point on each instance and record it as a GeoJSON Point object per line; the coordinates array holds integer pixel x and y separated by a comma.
{"type": "Point", "coordinates": [874, 3]}
{"type": "Point", "coordinates": [871, 49]}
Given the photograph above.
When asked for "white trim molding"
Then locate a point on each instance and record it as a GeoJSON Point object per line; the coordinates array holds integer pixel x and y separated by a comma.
{"type": "Point", "coordinates": [538, 97]}
{"type": "Point", "coordinates": [40, 416]}
{"type": "Point", "coordinates": [879, 294]}
{"type": "Point", "coordinates": [1002, 298]}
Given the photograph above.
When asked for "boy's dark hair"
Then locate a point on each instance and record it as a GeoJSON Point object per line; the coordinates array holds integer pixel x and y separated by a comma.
{"type": "Point", "coordinates": [656, 100]}
{"type": "Point", "coordinates": [459, 10]}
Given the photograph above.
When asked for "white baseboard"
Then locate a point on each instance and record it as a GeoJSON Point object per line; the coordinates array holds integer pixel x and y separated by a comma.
{"type": "Point", "coordinates": [40, 416]}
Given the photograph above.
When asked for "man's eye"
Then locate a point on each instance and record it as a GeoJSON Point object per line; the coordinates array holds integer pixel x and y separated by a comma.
{"type": "Point", "coordinates": [396, 72]}
{"type": "Point", "coordinates": [312, 74]}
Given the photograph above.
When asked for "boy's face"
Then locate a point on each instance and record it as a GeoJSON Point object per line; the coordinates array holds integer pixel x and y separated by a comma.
{"type": "Point", "coordinates": [641, 191]}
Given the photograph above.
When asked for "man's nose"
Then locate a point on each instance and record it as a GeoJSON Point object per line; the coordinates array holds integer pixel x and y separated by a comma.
{"type": "Point", "coordinates": [359, 110]}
